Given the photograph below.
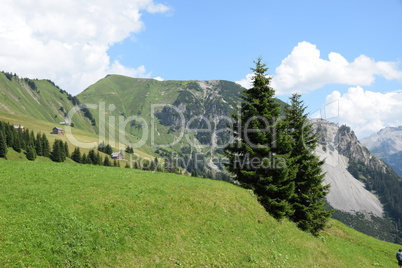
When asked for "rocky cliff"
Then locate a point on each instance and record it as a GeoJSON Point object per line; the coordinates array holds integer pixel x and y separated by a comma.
{"type": "Point", "coordinates": [387, 145]}
{"type": "Point", "coordinates": [337, 145]}
{"type": "Point", "coordinates": [365, 191]}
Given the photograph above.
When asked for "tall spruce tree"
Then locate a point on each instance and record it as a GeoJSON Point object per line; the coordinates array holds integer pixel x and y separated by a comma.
{"type": "Point", "coordinates": [58, 152]}
{"type": "Point", "coordinates": [259, 156]}
{"type": "Point", "coordinates": [309, 199]}
{"type": "Point", "coordinates": [66, 150]}
{"type": "Point", "coordinates": [106, 162]}
{"type": "Point", "coordinates": [45, 146]}
{"type": "Point", "coordinates": [30, 153]}
{"type": "Point", "coordinates": [3, 144]}
{"type": "Point", "coordinates": [85, 159]}
{"type": "Point", "coordinates": [39, 144]}
{"type": "Point", "coordinates": [76, 155]}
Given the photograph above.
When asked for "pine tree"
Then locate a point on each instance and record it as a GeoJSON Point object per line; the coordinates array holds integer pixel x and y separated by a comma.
{"type": "Point", "coordinates": [106, 162]}
{"type": "Point", "coordinates": [17, 143]}
{"type": "Point", "coordinates": [99, 160]}
{"type": "Point", "coordinates": [85, 159]}
{"type": "Point", "coordinates": [108, 149]}
{"type": "Point", "coordinates": [66, 150]}
{"type": "Point", "coordinates": [58, 153]}
{"type": "Point", "coordinates": [3, 145]}
{"type": "Point", "coordinates": [101, 146]}
{"type": "Point", "coordinates": [129, 150]}
{"type": "Point", "coordinates": [309, 199]}
{"type": "Point", "coordinates": [92, 157]}
{"type": "Point", "coordinates": [76, 155]}
{"type": "Point", "coordinates": [39, 144]}
{"type": "Point", "coordinates": [45, 146]}
{"type": "Point", "coordinates": [31, 153]}
{"type": "Point", "coordinates": [259, 156]}
{"type": "Point", "coordinates": [31, 139]}
{"type": "Point", "coordinates": [9, 133]}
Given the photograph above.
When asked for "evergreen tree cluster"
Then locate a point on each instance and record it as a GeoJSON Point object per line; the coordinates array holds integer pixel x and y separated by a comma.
{"type": "Point", "coordinates": [29, 82]}
{"type": "Point", "coordinates": [93, 158]}
{"type": "Point", "coordinates": [272, 154]}
{"type": "Point", "coordinates": [10, 75]}
{"type": "Point", "coordinates": [20, 139]}
{"type": "Point", "coordinates": [107, 149]}
{"type": "Point", "coordinates": [60, 151]}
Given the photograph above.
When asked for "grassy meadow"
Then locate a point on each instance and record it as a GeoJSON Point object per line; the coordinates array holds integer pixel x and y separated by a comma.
{"type": "Point", "coordinates": [71, 215]}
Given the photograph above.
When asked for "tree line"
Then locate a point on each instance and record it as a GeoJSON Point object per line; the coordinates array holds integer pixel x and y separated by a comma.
{"type": "Point", "coordinates": [24, 140]}
{"type": "Point", "coordinates": [20, 139]}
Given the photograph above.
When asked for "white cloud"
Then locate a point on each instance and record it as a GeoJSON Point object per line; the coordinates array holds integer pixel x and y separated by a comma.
{"type": "Point", "coordinates": [366, 112]}
{"type": "Point", "coordinates": [158, 78]}
{"type": "Point", "coordinates": [67, 40]}
{"type": "Point", "coordinates": [246, 82]}
{"type": "Point", "coordinates": [304, 70]}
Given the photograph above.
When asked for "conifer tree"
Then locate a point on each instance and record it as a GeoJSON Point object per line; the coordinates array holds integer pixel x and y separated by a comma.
{"type": "Point", "coordinates": [9, 133]}
{"type": "Point", "coordinates": [30, 138]}
{"type": "Point", "coordinates": [309, 199]}
{"type": "Point", "coordinates": [84, 159]}
{"type": "Point", "coordinates": [99, 160]}
{"type": "Point", "coordinates": [108, 149]}
{"type": "Point", "coordinates": [39, 144]}
{"type": "Point", "coordinates": [45, 146]}
{"type": "Point", "coordinates": [259, 156]}
{"type": "Point", "coordinates": [3, 145]}
{"type": "Point", "coordinates": [31, 153]}
{"type": "Point", "coordinates": [106, 162]}
{"type": "Point", "coordinates": [129, 150]}
{"type": "Point", "coordinates": [92, 157]}
{"type": "Point", "coordinates": [76, 155]}
{"type": "Point", "coordinates": [66, 150]}
{"type": "Point", "coordinates": [17, 143]}
{"type": "Point", "coordinates": [58, 153]}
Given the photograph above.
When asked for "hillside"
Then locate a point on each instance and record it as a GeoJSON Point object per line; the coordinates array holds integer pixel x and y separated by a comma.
{"type": "Point", "coordinates": [40, 100]}
{"type": "Point", "coordinates": [64, 215]}
{"type": "Point", "coordinates": [182, 117]}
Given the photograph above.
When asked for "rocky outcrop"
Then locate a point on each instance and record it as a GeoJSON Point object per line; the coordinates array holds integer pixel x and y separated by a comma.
{"type": "Point", "coordinates": [350, 146]}
{"type": "Point", "coordinates": [337, 145]}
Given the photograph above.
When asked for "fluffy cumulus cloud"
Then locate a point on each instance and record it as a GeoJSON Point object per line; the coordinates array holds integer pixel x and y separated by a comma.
{"type": "Point", "coordinates": [67, 40]}
{"type": "Point", "coordinates": [304, 70]}
{"type": "Point", "coordinates": [246, 82]}
{"type": "Point", "coordinates": [366, 112]}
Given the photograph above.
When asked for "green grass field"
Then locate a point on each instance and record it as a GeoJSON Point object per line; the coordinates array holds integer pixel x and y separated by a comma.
{"type": "Point", "coordinates": [71, 215]}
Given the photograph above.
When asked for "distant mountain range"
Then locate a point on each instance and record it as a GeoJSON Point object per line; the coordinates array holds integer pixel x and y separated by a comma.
{"type": "Point", "coordinates": [387, 145]}
{"type": "Point", "coordinates": [188, 119]}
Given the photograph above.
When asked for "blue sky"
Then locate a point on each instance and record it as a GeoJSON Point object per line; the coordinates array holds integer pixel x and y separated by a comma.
{"type": "Point", "coordinates": [346, 53]}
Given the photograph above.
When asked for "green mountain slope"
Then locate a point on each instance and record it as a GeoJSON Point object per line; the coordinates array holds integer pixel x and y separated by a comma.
{"type": "Point", "coordinates": [146, 104]}
{"type": "Point", "coordinates": [39, 99]}
{"type": "Point", "coordinates": [68, 215]}
{"type": "Point", "coordinates": [182, 117]}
